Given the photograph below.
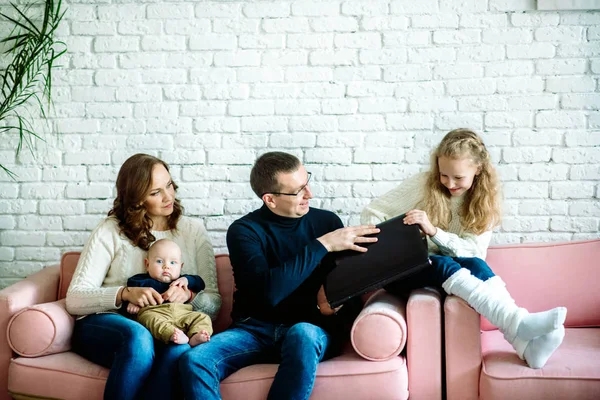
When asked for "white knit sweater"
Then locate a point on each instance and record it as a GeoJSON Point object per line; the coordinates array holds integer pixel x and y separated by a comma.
{"type": "Point", "coordinates": [108, 259]}
{"type": "Point", "coordinates": [455, 242]}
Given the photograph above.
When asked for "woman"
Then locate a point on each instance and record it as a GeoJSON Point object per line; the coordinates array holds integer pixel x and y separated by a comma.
{"type": "Point", "coordinates": [144, 211]}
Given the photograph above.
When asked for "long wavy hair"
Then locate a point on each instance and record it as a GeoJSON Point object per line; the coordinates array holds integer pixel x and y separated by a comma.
{"type": "Point", "coordinates": [481, 209]}
{"type": "Point", "coordinates": [133, 187]}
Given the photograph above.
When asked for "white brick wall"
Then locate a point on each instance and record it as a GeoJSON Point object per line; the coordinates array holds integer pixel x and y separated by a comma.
{"type": "Point", "coordinates": [360, 90]}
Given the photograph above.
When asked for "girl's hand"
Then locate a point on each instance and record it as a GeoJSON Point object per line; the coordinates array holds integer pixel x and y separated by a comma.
{"type": "Point", "coordinates": [132, 308]}
{"type": "Point", "coordinates": [181, 282]}
{"type": "Point", "coordinates": [176, 294]}
{"type": "Point", "coordinates": [141, 296]}
{"type": "Point", "coordinates": [420, 218]}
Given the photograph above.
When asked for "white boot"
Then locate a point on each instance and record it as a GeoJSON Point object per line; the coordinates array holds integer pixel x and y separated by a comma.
{"type": "Point", "coordinates": [520, 328]}
{"type": "Point", "coordinates": [533, 324]}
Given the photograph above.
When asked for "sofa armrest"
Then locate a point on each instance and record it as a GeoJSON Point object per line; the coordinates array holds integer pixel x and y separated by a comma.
{"type": "Point", "coordinates": [41, 287]}
{"type": "Point", "coordinates": [424, 345]}
{"type": "Point", "coordinates": [463, 350]}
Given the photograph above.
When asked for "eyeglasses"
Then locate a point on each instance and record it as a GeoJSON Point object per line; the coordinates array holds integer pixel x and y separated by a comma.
{"type": "Point", "coordinates": [301, 190]}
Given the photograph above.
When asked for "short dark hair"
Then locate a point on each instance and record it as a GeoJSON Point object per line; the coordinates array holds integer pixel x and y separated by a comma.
{"type": "Point", "coordinates": [263, 177]}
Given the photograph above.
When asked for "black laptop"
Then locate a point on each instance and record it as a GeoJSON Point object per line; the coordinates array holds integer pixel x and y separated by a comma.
{"type": "Point", "coordinates": [400, 251]}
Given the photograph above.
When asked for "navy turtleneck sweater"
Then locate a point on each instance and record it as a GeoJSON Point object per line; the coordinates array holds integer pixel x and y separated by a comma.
{"type": "Point", "coordinates": [279, 265]}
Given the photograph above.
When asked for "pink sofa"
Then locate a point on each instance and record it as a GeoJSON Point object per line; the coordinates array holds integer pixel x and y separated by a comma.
{"type": "Point", "coordinates": [35, 361]}
{"type": "Point", "coordinates": [480, 364]}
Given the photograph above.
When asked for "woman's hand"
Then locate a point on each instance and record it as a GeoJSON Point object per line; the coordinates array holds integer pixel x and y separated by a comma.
{"type": "Point", "coordinates": [176, 294]}
{"type": "Point", "coordinates": [141, 296]}
{"type": "Point", "coordinates": [420, 218]}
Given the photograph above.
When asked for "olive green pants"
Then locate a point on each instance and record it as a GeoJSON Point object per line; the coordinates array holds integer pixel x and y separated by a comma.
{"type": "Point", "coordinates": [162, 320]}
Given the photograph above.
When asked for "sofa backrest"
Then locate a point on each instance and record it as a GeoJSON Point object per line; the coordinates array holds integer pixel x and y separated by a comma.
{"type": "Point", "coordinates": [546, 275]}
{"type": "Point", "coordinates": [224, 277]}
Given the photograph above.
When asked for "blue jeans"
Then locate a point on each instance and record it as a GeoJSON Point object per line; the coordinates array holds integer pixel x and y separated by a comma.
{"type": "Point", "coordinates": [441, 268]}
{"type": "Point", "coordinates": [129, 350]}
{"type": "Point", "coordinates": [297, 348]}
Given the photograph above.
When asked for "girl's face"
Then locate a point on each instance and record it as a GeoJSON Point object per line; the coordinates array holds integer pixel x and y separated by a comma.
{"type": "Point", "coordinates": [160, 199]}
{"type": "Point", "coordinates": [457, 175]}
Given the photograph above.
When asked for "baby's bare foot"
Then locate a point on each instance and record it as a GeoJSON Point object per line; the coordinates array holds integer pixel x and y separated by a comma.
{"type": "Point", "coordinates": [199, 338]}
{"type": "Point", "coordinates": [179, 337]}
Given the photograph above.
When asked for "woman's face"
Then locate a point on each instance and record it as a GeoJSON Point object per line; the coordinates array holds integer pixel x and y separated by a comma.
{"type": "Point", "coordinates": [160, 199]}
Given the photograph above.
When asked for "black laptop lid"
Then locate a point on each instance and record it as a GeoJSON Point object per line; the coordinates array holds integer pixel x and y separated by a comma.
{"type": "Point", "coordinates": [400, 251]}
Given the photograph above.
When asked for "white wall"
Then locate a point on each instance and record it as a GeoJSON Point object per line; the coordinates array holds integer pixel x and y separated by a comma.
{"type": "Point", "coordinates": [359, 90]}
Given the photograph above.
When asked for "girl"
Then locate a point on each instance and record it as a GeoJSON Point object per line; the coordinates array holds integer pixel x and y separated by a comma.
{"type": "Point", "coordinates": [457, 204]}
{"type": "Point", "coordinates": [144, 210]}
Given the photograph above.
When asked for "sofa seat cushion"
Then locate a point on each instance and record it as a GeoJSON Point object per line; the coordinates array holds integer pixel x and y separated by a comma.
{"type": "Point", "coordinates": [60, 376]}
{"type": "Point", "coordinates": [347, 376]}
{"type": "Point", "coordinates": [573, 371]}
{"type": "Point", "coordinates": [71, 377]}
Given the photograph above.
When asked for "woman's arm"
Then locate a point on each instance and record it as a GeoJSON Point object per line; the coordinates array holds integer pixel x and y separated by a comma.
{"type": "Point", "coordinates": [207, 301]}
{"type": "Point", "coordinates": [86, 294]}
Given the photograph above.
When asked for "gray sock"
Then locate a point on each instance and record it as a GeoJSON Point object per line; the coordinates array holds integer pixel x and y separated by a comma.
{"type": "Point", "coordinates": [541, 323]}
{"type": "Point", "coordinates": [540, 349]}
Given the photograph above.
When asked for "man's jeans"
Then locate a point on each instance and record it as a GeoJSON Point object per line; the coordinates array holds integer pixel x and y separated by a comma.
{"type": "Point", "coordinates": [140, 367]}
{"type": "Point", "coordinates": [297, 348]}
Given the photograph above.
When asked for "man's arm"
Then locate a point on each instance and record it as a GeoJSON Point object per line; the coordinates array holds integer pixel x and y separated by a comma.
{"type": "Point", "coordinates": [256, 277]}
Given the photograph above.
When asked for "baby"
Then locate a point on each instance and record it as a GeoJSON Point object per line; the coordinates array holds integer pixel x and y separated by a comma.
{"type": "Point", "coordinates": [170, 322]}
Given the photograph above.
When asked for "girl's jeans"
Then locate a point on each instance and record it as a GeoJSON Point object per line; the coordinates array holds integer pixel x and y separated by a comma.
{"type": "Point", "coordinates": [441, 268]}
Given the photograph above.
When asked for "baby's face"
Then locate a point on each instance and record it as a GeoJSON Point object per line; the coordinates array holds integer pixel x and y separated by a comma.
{"type": "Point", "coordinates": [164, 262]}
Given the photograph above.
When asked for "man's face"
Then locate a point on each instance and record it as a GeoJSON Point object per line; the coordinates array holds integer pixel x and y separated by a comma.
{"type": "Point", "coordinates": [293, 206]}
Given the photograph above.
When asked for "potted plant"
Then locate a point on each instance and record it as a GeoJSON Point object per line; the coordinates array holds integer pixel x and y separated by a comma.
{"type": "Point", "coordinates": [27, 80]}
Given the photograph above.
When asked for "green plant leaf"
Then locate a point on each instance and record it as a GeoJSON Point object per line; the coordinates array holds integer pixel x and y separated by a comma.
{"type": "Point", "coordinates": [28, 78]}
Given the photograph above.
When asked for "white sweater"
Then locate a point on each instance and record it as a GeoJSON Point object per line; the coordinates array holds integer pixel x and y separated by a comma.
{"type": "Point", "coordinates": [108, 259]}
{"type": "Point", "coordinates": [455, 242]}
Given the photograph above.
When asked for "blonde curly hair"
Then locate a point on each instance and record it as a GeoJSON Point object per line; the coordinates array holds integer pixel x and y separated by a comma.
{"type": "Point", "coordinates": [481, 209]}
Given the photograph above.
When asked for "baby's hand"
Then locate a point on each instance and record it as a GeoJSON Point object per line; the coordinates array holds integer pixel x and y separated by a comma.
{"type": "Point", "coordinates": [181, 282]}
{"type": "Point", "coordinates": [132, 308]}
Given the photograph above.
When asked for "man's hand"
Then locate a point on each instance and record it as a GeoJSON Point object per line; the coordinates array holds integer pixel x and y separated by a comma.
{"type": "Point", "coordinates": [132, 308]}
{"type": "Point", "coordinates": [141, 296]}
{"type": "Point", "coordinates": [347, 238]}
{"type": "Point", "coordinates": [420, 217]}
{"type": "Point", "coordinates": [176, 294]}
{"type": "Point", "coordinates": [181, 282]}
{"type": "Point", "coordinates": [323, 304]}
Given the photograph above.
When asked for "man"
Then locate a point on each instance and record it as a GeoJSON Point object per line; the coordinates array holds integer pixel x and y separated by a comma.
{"type": "Point", "coordinates": [279, 258]}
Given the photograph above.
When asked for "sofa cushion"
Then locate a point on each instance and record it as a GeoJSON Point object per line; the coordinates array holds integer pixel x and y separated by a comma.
{"type": "Point", "coordinates": [566, 273]}
{"type": "Point", "coordinates": [71, 377]}
{"type": "Point", "coordinates": [379, 331]}
{"type": "Point", "coordinates": [573, 371]}
{"type": "Point", "coordinates": [41, 329]}
{"type": "Point", "coordinates": [68, 263]}
{"type": "Point", "coordinates": [345, 377]}
{"type": "Point", "coordinates": [64, 376]}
